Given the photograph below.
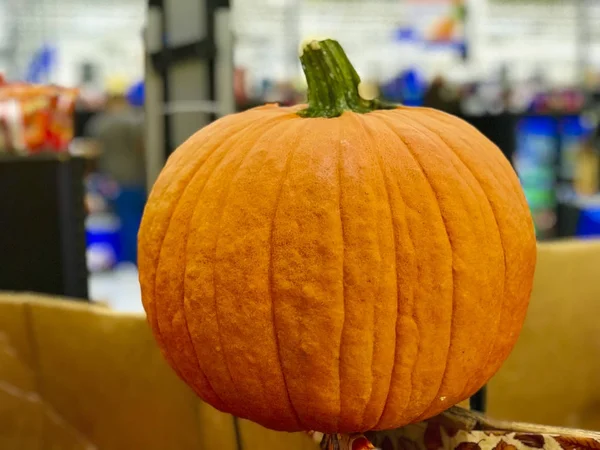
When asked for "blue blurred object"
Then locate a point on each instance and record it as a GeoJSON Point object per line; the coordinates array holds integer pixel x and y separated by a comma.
{"type": "Point", "coordinates": [404, 34]}
{"type": "Point", "coordinates": [454, 45]}
{"type": "Point", "coordinates": [129, 207]}
{"type": "Point", "coordinates": [589, 223]}
{"type": "Point", "coordinates": [136, 94]}
{"type": "Point", "coordinates": [413, 88]}
{"type": "Point", "coordinates": [392, 90]}
{"type": "Point", "coordinates": [41, 65]}
{"type": "Point", "coordinates": [574, 132]}
{"type": "Point", "coordinates": [407, 88]}
{"type": "Point", "coordinates": [537, 141]}
{"type": "Point", "coordinates": [103, 241]}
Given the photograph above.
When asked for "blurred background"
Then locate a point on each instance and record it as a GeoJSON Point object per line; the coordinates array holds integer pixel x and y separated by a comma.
{"type": "Point", "coordinates": [95, 95]}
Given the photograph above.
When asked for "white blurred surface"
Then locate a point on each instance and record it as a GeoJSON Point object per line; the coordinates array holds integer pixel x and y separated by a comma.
{"type": "Point", "coordinates": [119, 288]}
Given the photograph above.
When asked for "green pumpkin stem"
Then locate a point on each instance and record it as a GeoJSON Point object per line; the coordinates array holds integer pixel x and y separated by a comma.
{"type": "Point", "coordinates": [332, 82]}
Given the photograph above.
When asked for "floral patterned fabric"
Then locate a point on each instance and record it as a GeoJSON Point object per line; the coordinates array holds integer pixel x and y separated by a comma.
{"type": "Point", "coordinates": [459, 429]}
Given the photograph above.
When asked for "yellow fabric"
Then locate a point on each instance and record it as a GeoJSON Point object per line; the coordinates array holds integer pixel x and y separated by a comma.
{"type": "Point", "coordinates": [75, 376]}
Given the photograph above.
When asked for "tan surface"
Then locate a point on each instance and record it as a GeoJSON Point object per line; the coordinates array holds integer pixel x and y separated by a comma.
{"type": "Point", "coordinates": [74, 377]}
{"type": "Point", "coordinates": [256, 437]}
{"type": "Point", "coordinates": [553, 375]}
{"type": "Point", "coordinates": [96, 380]}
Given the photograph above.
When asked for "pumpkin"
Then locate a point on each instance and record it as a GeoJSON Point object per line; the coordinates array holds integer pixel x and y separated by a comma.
{"type": "Point", "coordinates": [340, 267]}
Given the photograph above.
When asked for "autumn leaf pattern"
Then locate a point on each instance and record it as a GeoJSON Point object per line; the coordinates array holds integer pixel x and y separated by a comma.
{"type": "Point", "coordinates": [572, 443]}
{"type": "Point", "coordinates": [433, 437]}
{"type": "Point", "coordinates": [361, 443]}
{"type": "Point", "coordinates": [503, 445]}
{"type": "Point", "coordinates": [468, 446]}
{"type": "Point", "coordinates": [406, 444]}
{"type": "Point", "coordinates": [446, 424]}
{"type": "Point", "coordinates": [448, 432]}
{"type": "Point", "coordinates": [495, 433]}
{"type": "Point", "coordinates": [387, 444]}
{"type": "Point", "coordinates": [451, 431]}
{"type": "Point", "coordinates": [531, 440]}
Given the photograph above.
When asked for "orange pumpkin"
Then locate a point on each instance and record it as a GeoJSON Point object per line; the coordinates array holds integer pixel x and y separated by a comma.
{"type": "Point", "coordinates": [340, 267]}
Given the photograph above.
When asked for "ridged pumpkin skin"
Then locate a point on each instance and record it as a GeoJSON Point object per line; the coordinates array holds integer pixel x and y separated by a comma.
{"type": "Point", "coordinates": [336, 274]}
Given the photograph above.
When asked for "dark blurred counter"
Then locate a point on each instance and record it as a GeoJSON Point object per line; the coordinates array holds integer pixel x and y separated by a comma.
{"type": "Point", "coordinates": [42, 214]}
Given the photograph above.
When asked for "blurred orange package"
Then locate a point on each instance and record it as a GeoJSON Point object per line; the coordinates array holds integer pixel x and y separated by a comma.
{"type": "Point", "coordinates": [36, 118]}
{"type": "Point", "coordinates": [10, 123]}
{"type": "Point", "coordinates": [28, 116]}
{"type": "Point", "coordinates": [61, 126]}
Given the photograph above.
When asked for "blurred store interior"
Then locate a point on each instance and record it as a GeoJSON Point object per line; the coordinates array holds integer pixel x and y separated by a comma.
{"type": "Point", "coordinates": [96, 95]}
